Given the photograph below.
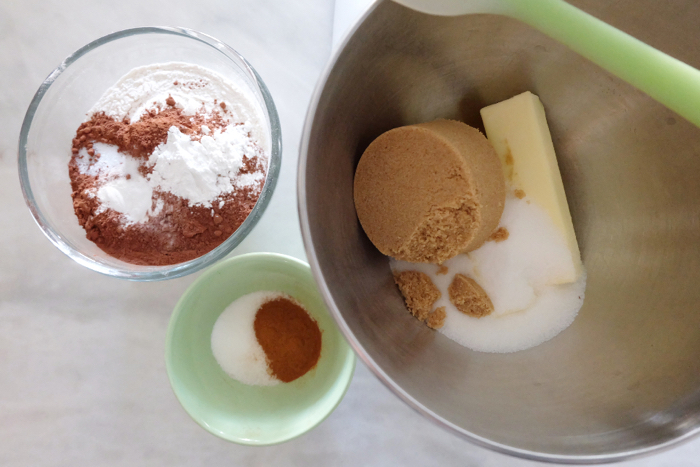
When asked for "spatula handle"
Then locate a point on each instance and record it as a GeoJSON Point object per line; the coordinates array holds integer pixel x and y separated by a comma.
{"type": "Point", "coordinates": [666, 79]}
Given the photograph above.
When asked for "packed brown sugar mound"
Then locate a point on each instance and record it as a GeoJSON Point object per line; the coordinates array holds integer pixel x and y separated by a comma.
{"type": "Point", "coordinates": [427, 192]}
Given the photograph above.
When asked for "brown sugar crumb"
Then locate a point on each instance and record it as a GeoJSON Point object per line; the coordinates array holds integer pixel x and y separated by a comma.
{"type": "Point", "coordinates": [468, 297]}
{"type": "Point", "coordinates": [442, 270]}
{"type": "Point", "coordinates": [419, 292]}
{"type": "Point", "coordinates": [520, 194]}
{"type": "Point", "coordinates": [436, 319]}
{"type": "Point", "coordinates": [499, 235]}
{"type": "Point", "coordinates": [170, 101]}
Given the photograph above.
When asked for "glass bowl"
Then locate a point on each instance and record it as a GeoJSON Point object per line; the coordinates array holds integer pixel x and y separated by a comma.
{"type": "Point", "coordinates": [60, 106]}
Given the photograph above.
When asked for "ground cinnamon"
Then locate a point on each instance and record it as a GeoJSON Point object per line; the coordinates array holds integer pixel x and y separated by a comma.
{"type": "Point", "coordinates": [290, 338]}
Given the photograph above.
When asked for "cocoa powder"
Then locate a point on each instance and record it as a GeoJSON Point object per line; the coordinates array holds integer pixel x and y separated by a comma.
{"type": "Point", "coordinates": [178, 232]}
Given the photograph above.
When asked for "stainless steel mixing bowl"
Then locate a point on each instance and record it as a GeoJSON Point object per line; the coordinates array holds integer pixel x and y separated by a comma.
{"type": "Point", "coordinates": [624, 379]}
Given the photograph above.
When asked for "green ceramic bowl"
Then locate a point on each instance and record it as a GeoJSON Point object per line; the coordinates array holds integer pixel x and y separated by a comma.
{"type": "Point", "coordinates": [253, 415]}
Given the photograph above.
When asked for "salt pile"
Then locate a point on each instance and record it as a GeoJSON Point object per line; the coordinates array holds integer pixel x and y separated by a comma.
{"type": "Point", "coordinates": [234, 344]}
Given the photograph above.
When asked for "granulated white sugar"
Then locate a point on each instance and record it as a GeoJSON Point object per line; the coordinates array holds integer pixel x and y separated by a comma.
{"type": "Point", "coordinates": [521, 275]}
{"type": "Point", "coordinates": [233, 341]}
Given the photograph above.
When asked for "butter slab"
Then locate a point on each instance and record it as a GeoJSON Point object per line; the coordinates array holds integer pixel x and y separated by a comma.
{"type": "Point", "coordinates": [517, 129]}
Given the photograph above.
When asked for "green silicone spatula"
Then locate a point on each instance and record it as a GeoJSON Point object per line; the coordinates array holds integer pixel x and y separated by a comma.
{"type": "Point", "coordinates": [671, 82]}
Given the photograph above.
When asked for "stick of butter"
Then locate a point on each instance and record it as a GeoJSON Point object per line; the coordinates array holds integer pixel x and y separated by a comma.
{"type": "Point", "coordinates": [517, 129]}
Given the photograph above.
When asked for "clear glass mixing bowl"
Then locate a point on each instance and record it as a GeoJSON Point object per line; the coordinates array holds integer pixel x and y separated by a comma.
{"type": "Point", "coordinates": [61, 104]}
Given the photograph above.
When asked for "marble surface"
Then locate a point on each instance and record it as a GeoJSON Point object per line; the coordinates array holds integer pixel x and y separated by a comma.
{"type": "Point", "coordinates": [82, 373]}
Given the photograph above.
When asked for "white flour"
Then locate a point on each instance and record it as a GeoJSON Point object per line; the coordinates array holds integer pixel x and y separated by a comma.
{"type": "Point", "coordinates": [198, 89]}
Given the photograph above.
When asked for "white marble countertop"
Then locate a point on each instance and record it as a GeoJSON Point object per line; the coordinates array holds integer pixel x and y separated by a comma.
{"type": "Point", "coordinates": [82, 373]}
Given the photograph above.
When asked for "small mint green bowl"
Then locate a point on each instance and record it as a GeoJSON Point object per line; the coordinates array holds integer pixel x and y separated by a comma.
{"type": "Point", "coordinates": [252, 415]}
